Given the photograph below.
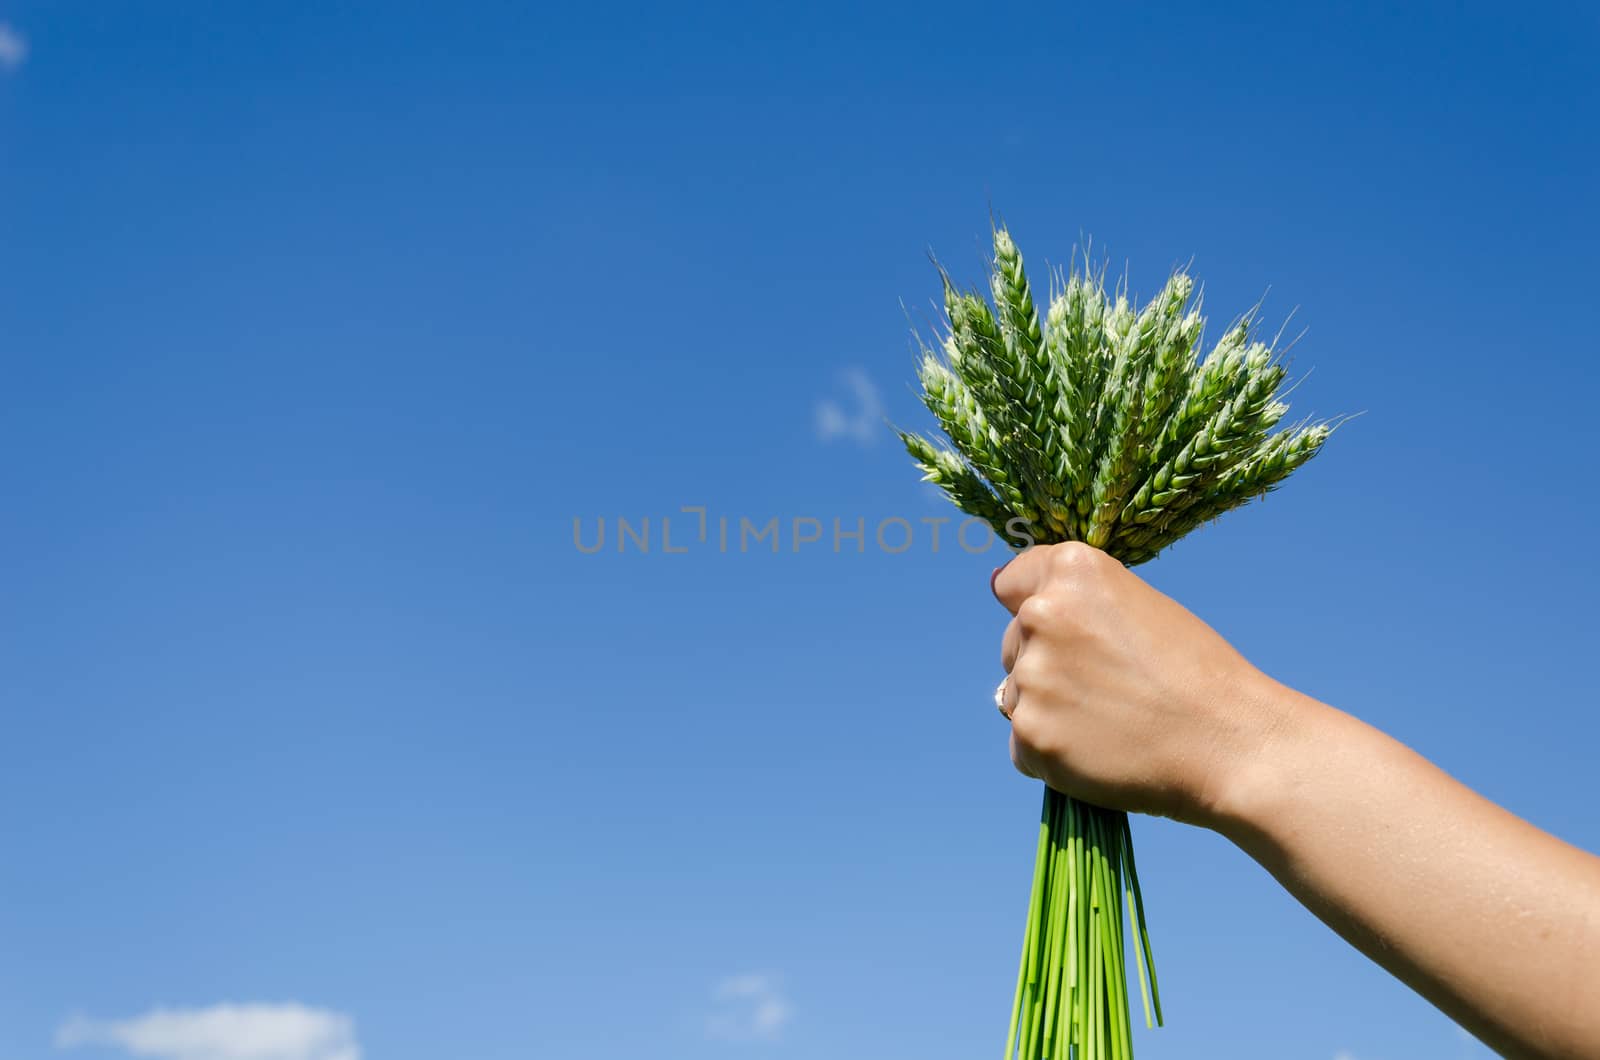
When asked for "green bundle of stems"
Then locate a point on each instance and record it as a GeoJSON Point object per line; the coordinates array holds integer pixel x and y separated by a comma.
{"type": "Point", "coordinates": [1071, 998]}
{"type": "Point", "coordinates": [1101, 423]}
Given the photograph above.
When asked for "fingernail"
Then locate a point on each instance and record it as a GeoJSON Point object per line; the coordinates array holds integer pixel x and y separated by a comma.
{"type": "Point", "coordinates": [995, 575]}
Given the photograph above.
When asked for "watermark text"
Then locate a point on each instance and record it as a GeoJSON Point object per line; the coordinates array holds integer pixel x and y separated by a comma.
{"type": "Point", "coordinates": [693, 528]}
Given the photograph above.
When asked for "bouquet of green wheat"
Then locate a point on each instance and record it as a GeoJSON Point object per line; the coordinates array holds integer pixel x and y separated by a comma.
{"type": "Point", "coordinates": [1104, 425]}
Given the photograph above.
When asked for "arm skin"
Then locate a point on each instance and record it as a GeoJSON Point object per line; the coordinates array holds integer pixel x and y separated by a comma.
{"type": "Point", "coordinates": [1119, 696]}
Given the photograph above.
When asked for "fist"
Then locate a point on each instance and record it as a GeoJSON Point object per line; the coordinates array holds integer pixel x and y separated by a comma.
{"type": "Point", "coordinates": [1116, 694]}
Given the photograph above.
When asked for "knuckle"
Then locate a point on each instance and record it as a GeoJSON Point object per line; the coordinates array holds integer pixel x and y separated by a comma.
{"type": "Point", "coordinates": [1037, 612]}
{"type": "Point", "coordinates": [1074, 556]}
{"type": "Point", "coordinates": [1024, 729]}
{"type": "Point", "coordinates": [1033, 737]}
{"type": "Point", "coordinates": [1026, 671]}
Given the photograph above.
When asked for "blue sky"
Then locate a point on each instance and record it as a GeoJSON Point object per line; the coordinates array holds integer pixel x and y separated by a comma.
{"type": "Point", "coordinates": [322, 324]}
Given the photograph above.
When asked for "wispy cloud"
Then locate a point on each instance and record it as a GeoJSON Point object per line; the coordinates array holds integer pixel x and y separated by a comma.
{"type": "Point", "coordinates": [13, 47]}
{"type": "Point", "coordinates": [861, 422]}
{"type": "Point", "coordinates": [1342, 1055]}
{"type": "Point", "coordinates": [748, 1008]}
{"type": "Point", "coordinates": [254, 1031]}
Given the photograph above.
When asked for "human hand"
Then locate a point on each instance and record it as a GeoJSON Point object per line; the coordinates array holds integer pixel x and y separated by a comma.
{"type": "Point", "coordinates": [1118, 695]}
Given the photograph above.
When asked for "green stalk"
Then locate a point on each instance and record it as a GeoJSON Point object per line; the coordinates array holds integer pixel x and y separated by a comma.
{"type": "Point", "coordinates": [1095, 1044]}
{"type": "Point", "coordinates": [1061, 898]}
{"type": "Point", "coordinates": [1141, 942]}
{"type": "Point", "coordinates": [1028, 932]}
{"type": "Point", "coordinates": [1139, 922]}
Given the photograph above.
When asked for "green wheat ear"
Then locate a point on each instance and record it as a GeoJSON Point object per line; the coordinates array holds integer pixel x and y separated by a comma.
{"type": "Point", "coordinates": [1102, 424]}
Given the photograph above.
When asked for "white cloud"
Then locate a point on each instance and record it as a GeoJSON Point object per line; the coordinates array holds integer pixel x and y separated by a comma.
{"type": "Point", "coordinates": [254, 1031]}
{"type": "Point", "coordinates": [1342, 1055]}
{"type": "Point", "coordinates": [860, 424]}
{"type": "Point", "coordinates": [748, 1008]}
{"type": "Point", "coordinates": [13, 47]}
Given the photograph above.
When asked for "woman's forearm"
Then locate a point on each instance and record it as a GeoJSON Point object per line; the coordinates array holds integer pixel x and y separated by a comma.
{"type": "Point", "coordinates": [1494, 921]}
{"type": "Point", "coordinates": [1119, 696]}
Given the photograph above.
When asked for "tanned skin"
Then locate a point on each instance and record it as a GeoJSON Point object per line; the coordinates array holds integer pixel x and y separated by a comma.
{"type": "Point", "coordinates": [1121, 697]}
